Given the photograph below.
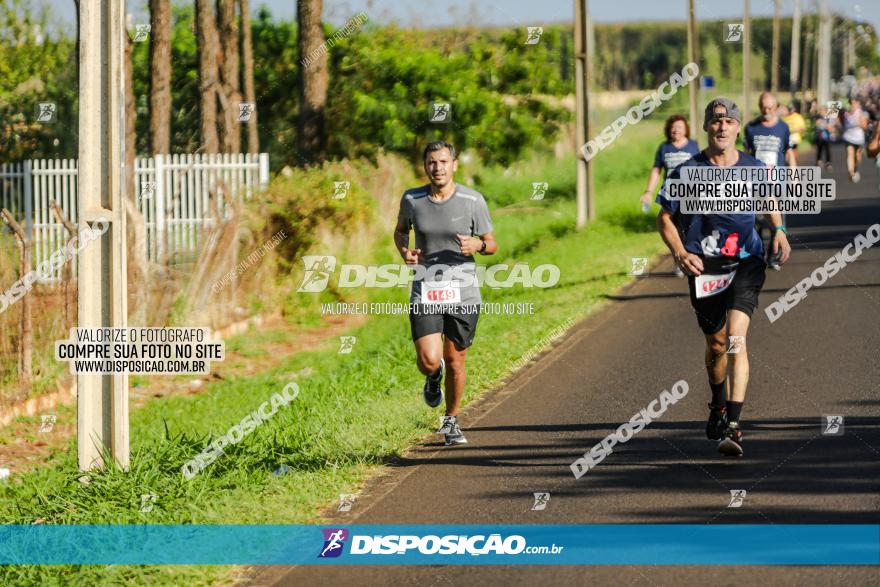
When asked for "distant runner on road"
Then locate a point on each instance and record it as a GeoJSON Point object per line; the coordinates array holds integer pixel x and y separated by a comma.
{"type": "Point", "coordinates": [723, 257]}
{"type": "Point", "coordinates": [451, 224]}
{"type": "Point", "coordinates": [797, 126]}
{"type": "Point", "coordinates": [768, 139]}
{"type": "Point", "coordinates": [677, 149]}
{"type": "Point", "coordinates": [855, 121]}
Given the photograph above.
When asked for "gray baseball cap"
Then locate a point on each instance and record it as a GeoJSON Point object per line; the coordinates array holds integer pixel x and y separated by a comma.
{"type": "Point", "coordinates": [731, 110]}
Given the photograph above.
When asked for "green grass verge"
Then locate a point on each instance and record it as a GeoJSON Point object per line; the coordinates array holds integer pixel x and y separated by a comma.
{"type": "Point", "coordinates": [354, 411]}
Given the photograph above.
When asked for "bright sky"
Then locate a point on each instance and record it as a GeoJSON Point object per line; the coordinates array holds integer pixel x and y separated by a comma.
{"type": "Point", "coordinates": [432, 13]}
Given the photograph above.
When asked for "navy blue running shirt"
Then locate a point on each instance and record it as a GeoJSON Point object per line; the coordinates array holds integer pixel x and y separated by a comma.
{"type": "Point", "coordinates": [669, 156]}
{"type": "Point", "coordinates": [769, 144]}
{"type": "Point", "coordinates": [706, 234]}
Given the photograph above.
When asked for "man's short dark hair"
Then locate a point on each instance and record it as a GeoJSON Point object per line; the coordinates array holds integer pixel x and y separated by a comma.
{"type": "Point", "coordinates": [438, 146]}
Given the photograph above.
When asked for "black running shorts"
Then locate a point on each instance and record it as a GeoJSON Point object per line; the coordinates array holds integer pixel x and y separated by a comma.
{"type": "Point", "coordinates": [458, 324]}
{"type": "Point", "coordinates": [742, 295]}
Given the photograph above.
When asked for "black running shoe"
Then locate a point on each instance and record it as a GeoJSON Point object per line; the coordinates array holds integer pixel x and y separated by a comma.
{"type": "Point", "coordinates": [731, 444]}
{"type": "Point", "coordinates": [717, 422]}
{"type": "Point", "coordinates": [433, 390]}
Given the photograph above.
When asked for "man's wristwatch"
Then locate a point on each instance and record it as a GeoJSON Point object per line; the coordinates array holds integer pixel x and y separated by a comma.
{"type": "Point", "coordinates": [483, 248]}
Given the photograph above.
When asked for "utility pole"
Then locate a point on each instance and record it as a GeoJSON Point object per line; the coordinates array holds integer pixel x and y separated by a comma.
{"type": "Point", "coordinates": [583, 47]}
{"type": "Point", "coordinates": [693, 41]}
{"type": "Point", "coordinates": [823, 83]}
{"type": "Point", "coordinates": [807, 71]}
{"type": "Point", "coordinates": [852, 50]}
{"type": "Point", "coordinates": [795, 49]}
{"type": "Point", "coordinates": [588, 97]}
{"type": "Point", "coordinates": [102, 400]}
{"type": "Point", "coordinates": [774, 65]}
{"type": "Point", "coordinates": [747, 70]}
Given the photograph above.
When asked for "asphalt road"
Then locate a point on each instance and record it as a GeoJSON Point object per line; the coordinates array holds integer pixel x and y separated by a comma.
{"type": "Point", "coordinates": [818, 359]}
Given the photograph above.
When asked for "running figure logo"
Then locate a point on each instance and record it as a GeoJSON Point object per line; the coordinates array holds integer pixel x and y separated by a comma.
{"type": "Point", "coordinates": [737, 497]}
{"type": "Point", "coordinates": [441, 112]}
{"type": "Point", "coordinates": [833, 107]}
{"type": "Point", "coordinates": [340, 189]}
{"type": "Point", "coordinates": [734, 32]}
{"type": "Point", "coordinates": [346, 344]}
{"type": "Point", "coordinates": [317, 272]}
{"type": "Point", "coordinates": [47, 422]}
{"type": "Point", "coordinates": [245, 109]}
{"type": "Point", "coordinates": [147, 501]}
{"type": "Point", "coordinates": [46, 111]}
{"type": "Point", "coordinates": [534, 35]}
{"type": "Point", "coordinates": [334, 541]}
{"type": "Point", "coordinates": [737, 343]}
{"type": "Point", "coordinates": [832, 425]}
{"type": "Point", "coordinates": [346, 500]}
{"type": "Point", "coordinates": [539, 189]}
{"type": "Point", "coordinates": [148, 188]}
{"type": "Point", "coordinates": [141, 33]}
{"type": "Point", "coordinates": [541, 500]}
{"type": "Point", "coordinates": [639, 264]}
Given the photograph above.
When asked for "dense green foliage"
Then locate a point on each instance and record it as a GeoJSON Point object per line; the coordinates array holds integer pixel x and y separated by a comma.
{"type": "Point", "coordinates": [384, 81]}
{"type": "Point", "coordinates": [34, 67]}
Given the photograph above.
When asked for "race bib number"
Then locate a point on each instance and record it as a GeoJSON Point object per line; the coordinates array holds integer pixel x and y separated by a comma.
{"type": "Point", "coordinates": [441, 292]}
{"type": "Point", "coordinates": [767, 157]}
{"type": "Point", "coordinates": [710, 285]}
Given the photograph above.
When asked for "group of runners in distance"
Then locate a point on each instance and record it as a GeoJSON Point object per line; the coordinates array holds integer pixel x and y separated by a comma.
{"type": "Point", "coordinates": [452, 224]}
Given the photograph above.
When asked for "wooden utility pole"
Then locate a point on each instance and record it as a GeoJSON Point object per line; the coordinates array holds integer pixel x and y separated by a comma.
{"type": "Point", "coordinates": [693, 41]}
{"type": "Point", "coordinates": [747, 70]}
{"type": "Point", "coordinates": [102, 400]}
{"type": "Point", "coordinates": [774, 60]}
{"type": "Point", "coordinates": [583, 73]}
{"type": "Point", "coordinates": [823, 81]}
{"type": "Point", "coordinates": [795, 49]}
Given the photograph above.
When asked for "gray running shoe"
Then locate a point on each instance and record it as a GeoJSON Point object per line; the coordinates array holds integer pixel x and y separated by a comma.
{"type": "Point", "coordinates": [455, 436]}
{"type": "Point", "coordinates": [448, 425]}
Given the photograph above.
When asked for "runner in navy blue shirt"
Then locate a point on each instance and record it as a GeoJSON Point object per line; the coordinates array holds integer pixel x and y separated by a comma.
{"type": "Point", "coordinates": [721, 254]}
{"type": "Point", "coordinates": [677, 149]}
{"type": "Point", "coordinates": [768, 139]}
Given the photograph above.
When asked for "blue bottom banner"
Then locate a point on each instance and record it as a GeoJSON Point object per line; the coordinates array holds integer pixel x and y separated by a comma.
{"type": "Point", "coordinates": [597, 544]}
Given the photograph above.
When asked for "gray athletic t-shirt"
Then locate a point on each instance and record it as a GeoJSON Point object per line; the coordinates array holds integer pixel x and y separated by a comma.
{"type": "Point", "coordinates": [436, 224]}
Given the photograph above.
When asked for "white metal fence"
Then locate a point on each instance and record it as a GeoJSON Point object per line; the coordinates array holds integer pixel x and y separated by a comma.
{"type": "Point", "coordinates": [177, 194]}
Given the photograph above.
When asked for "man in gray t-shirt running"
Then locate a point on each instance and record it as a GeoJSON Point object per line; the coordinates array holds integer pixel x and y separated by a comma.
{"type": "Point", "coordinates": [451, 223]}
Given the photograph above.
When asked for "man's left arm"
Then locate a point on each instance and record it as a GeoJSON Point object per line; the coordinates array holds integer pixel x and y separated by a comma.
{"type": "Point", "coordinates": [781, 248]}
{"type": "Point", "coordinates": [481, 225]}
{"type": "Point", "coordinates": [484, 244]}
